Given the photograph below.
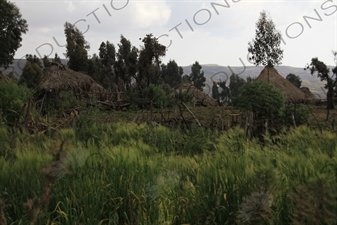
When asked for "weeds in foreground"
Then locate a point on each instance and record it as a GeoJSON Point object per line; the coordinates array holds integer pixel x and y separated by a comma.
{"type": "Point", "coordinates": [148, 174]}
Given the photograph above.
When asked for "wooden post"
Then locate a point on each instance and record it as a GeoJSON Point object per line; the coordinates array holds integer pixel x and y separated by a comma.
{"type": "Point", "coordinates": [294, 122]}
{"type": "Point", "coordinates": [246, 126]}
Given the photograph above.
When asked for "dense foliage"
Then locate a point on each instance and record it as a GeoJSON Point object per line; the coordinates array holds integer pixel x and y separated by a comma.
{"type": "Point", "coordinates": [197, 76]}
{"type": "Point", "coordinates": [77, 48]}
{"type": "Point", "coordinates": [265, 48]}
{"type": "Point", "coordinates": [12, 99]}
{"type": "Point", "coordinates": [294, 79]}
{"type": "Point", "coordinates": [261, 98]}
{"type": "Point", "coordinates": [31, 76]}
{"type": "Point", "coordinates": [12, 26]}
{"type": "Point", "coordinates": [235, 85]}
{"type": "Point", "coordinates": [323, 72]}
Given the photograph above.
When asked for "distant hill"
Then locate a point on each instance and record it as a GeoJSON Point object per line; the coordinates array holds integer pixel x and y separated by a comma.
{"type": "Point", "coordinates": [216, 72]}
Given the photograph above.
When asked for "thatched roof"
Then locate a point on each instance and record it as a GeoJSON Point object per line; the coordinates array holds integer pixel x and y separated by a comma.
{"type": "Point", "coordinates": [290, 92]}
{"type": "Point", "coordinates": [60, 78]}
{"type": "Point", "coordinates": [3, 77]}
{"type": "Point", "coordinates": [309, 96]}
{"type": "Point", "coordinates": [203, 98]}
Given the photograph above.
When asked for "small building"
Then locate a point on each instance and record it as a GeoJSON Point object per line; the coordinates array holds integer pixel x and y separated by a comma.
{"type": "Point", "coordinates": [291, 93]}
{"type": "Point", "coordinates": [199, 97]}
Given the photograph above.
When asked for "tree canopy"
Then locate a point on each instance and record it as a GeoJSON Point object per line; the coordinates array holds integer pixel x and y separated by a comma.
{"type": "Point", "coordinates": [77, 48]}
{"type": "Point", "coordinates": [31, 74]}
{"type": "Point", "coordinates": [294, 79]}
{"type": "Point", "coordinates": [323, 72]}
{"type": "Point", "coordinates": [12, 26]}
{"type": "Point", "coordinates": [197, 76]}
{"type": "Point", "coordinates": [261, 98]}
{"type": "Point", "coordinates": [149, 57]}
{"type": "Point", "coordinates": [235, 84]}
{"type": "Point", "coordinates": [172, 73]}
{"type": "Point", "coordinates": [126, 61]}
{"type": "Point", "coordinates": [265, 48]}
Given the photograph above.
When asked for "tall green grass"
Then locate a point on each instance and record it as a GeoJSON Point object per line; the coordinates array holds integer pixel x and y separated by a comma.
{"type": "Point", "coordinates": [149, 174]}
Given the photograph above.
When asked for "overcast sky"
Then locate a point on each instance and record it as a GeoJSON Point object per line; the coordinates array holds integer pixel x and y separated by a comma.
{"type": "Point", "coordinates": [208, 31]}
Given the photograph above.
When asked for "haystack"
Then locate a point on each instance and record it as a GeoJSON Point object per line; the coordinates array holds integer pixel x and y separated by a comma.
{"type": "Point", "coordinates": [60, 78]}
{"type": "Point", "coordinates": [290, 92]}
{"type": "Point", "coordinates": [199, 96]}
{"type": "Point", "coordinates": [3, 77]}
{"type": "Point", "coordinates": [309, 96]}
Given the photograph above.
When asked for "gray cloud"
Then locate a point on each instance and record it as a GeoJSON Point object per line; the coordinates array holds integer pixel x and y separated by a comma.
{"type": "Point", "coordinates": [221, 37]}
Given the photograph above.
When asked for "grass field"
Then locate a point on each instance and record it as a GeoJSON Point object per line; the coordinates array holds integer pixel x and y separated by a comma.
{"type": "Point", "coordinates": [127, 173]}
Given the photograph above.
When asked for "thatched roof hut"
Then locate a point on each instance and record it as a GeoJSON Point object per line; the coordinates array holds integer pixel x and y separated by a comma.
{"type": "Point", "coordinates": [309, 96]}
{"type": "Point", "coordinates": [199, 96]}
{"type": "Point", "coordinates": [60, 78]}
{"type": "Point", "coordinates": [290, 92]}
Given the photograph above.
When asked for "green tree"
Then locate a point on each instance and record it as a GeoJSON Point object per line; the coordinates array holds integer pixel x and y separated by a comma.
{"type": "Point", "coordinates": [172, 73]}
{"type": "Point", "coordinates": [34, 59]}
{"type": "Point", "coordinates": [215, 90]}
{"type": "Point", "coordinates": [197, 76]}
{"type": "Point", "coordinates": [12, 26]}
{"type": "Point", "coordinates": [222, 95]}
{"type": "Point", "coordinates": [107, 55]}
{"type": "Point", "coordinates": [261, 98]}
{"type": "Point", "coordinates": [225, 94]}
{"type": "Point", "coordinates": [126, 62]}
{"type": "Point", "coordinates": [95, 70]}
{"type": "Point", "coordinates": [156, 96]}
{"type": "Point", "coordinates": [77, 48]}
{"type": "Point", "coordinates": [235, 83]}
{"type": "Point", "coordinates": [32, 73]}
{"type": "Point", "coordinates": [324, 73]}
{"type": "Point", "coordinates": [265, 48]}
{"type": "Point", "coordinates": [150, 54]}
{"type": "Point", "coordinates": [12, 98]}
{"type": "Point", "coordinates": [295, 80]}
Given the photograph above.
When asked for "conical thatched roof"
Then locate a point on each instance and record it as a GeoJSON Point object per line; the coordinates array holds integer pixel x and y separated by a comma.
{"type": "Point", "coordinates": [309, 96]}
{"type": "Point", "coordinates": [60, 78]}
{"type": "Point", "coordinates": [203, 98]}
{"type": "Point", "coordinates": [290, 92]}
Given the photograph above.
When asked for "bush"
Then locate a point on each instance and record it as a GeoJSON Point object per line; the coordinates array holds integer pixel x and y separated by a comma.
{"type": "Point", "coordinates": [60, 102]}
{"type": "Point", "coordinates": [12, 99]}
{"type": "Point", "coordinates": [156, 94]}
{"type": "Point", "coordinates": [300, 112]}
{"type": "Point", "coordinates": [261, 98]}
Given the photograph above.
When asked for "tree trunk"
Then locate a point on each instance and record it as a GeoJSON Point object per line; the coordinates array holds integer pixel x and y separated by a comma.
{"type": "Point", "coordinates": [329, 98]}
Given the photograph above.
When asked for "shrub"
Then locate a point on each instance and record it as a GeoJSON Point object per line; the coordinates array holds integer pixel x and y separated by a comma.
{"type": "Point", "coordinates": [12, 99]}
{"type": "Point", "coordinates": [264, 100]}
{"type": "Point", "coordinates": [156, 94]}
{"type": "Point", "coordinates": [60, 102]}
{"type": "Point", "coordinates": [300, 112]}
